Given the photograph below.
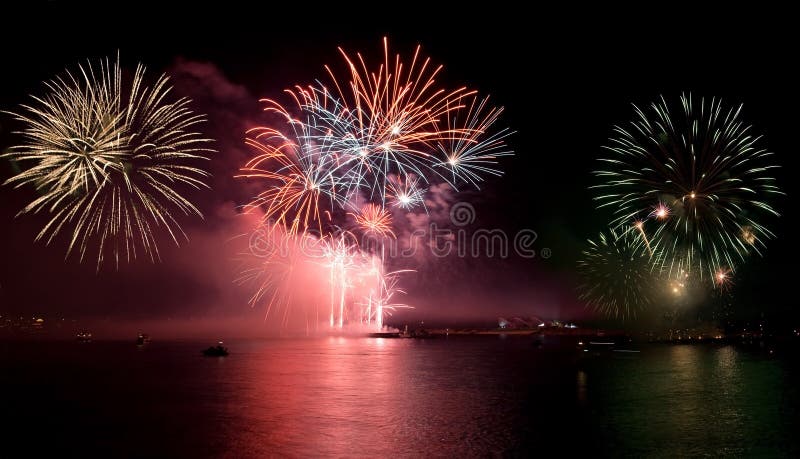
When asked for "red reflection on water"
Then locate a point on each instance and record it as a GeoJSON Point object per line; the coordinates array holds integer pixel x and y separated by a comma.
{"type": "Point", "coordinates": [335, 397]}
{"type": "Point", "coordinates": [342, 396]}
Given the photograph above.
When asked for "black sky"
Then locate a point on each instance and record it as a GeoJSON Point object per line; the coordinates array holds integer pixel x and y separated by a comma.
{"type": "Point", "coordinates": [565, 76]}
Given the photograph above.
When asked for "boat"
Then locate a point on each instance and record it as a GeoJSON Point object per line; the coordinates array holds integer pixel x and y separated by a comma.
{"type": "Point", "coordinates": [142, 339]}
{"type": "Point", "coordinates": [216, 351]}
{"type": "Point", "coordinates": [600, 347]}
{"type": "Point", "coordinates": [84, 337]}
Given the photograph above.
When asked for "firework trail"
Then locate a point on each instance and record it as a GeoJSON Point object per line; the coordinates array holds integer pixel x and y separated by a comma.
{"type": "Point", "coordinates": [341, 256]}
{"type": "Point", "coordinates": [376, 221]}
{"type": "Point", "coordinates": [639, 225]}
{"type": "Point", "coordinates": [382, 296]}
{"type": "Point", "coordinates": [110, 160]}
{"type": "Point", "coordinates": [278, 266]}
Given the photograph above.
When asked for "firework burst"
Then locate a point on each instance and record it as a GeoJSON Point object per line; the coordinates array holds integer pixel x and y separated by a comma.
{"type": "Point", "coordinates": [109, 160]}
{"type": "Point", "coordinates": [383, 120]}
{"type": "Point", "coordinates": [398, 105]}
{"type": "Point", "coordinates": [374, 137]}
{"type": "Point", "coordinates": [269, 268]}
{"type": "Point", "coordinates": [700, 174]}
{"type": "Point", "coordinates": [618, 277]}
{"type": "Point", "coordinates": [473, 151]}
{"type": "Point", "coordinates": [374, 219]}
{"type": "Point", "coordinates": [297, 172]}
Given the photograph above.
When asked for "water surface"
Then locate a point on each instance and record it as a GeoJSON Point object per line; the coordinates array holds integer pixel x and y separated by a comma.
{"type": "Point", "coordinates": [366, 397]}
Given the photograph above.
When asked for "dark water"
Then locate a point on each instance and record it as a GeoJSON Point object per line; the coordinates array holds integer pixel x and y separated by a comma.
{"type": "Point", "coordinates": [484, 396]}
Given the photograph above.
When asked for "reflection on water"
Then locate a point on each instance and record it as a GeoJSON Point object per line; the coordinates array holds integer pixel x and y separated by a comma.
{"type": "Point", "coordinates": [391, 397]}
{"type": "Point", "coordinates": [372, 397]}
{"type": "Point", "coordinates": [698, 400]}
{"type": "Point", "coordinates": [581, 385]}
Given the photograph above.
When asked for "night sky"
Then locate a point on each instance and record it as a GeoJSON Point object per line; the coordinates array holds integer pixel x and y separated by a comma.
{"type": "Point", "coordinates": [563, 80]}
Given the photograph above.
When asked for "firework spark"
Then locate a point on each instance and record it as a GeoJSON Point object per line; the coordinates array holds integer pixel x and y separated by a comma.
{"type": "Point", "coordinates": [405, 192]}
{"type": "Point", "coordinates": [723, 278]}
{"type": "Point", "coordinates": [110, 160]}
{"type": "Point", "coordinates": [660, 212]}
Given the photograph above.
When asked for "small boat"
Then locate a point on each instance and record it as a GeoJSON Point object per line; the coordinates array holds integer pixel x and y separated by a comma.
{"type": "Point", "coordinates": [142, 339]}
{"type": "Point", "coordinates": [216, 351]}
{"type": "Point", "coordinates": [617, 348]}
{"type": "Point", "coordinates": [84, 337]}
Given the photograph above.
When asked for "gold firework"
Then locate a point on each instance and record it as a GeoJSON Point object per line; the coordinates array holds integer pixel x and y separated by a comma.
{"type": "Point", "coordinates": [110, 161]}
